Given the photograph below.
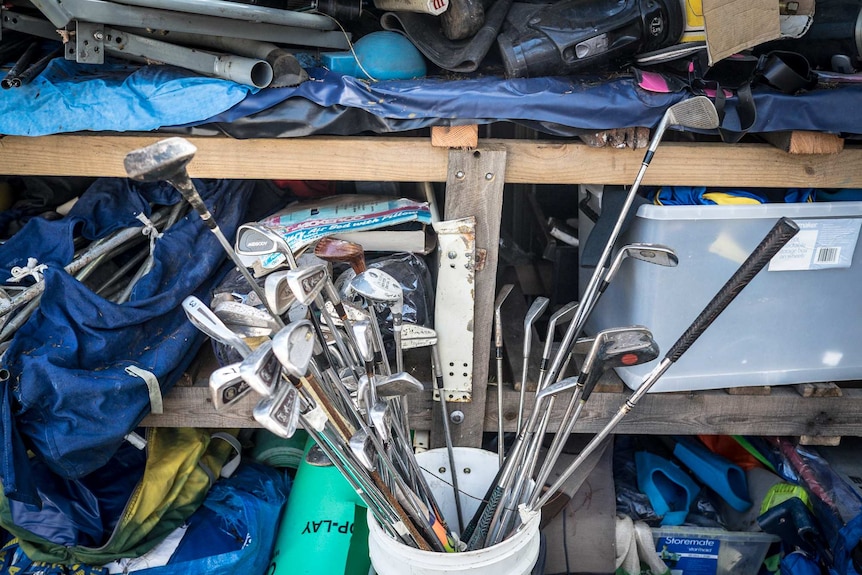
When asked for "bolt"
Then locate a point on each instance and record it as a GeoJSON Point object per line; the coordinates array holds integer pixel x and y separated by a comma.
{"type": "Point", "coordinates": [98, 35]}
{"type": "Point", "coordinates": [467, 471]}
{"type": "Point", "coordinates": [441, 470]}
{"type": "Point", "coordinates": [489, 176]}
{"type": "Point", "coordinates": [452, 255]}
{"type": "Point", "coordinates": [459, 174]}
{"type": "Point", "coordinates": [457, 417]}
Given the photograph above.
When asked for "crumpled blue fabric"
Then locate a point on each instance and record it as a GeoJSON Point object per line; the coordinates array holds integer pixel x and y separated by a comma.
{"type": "Point", "coordinates": [69, 398]}
{"type": "Point", "coordinates": [72, 97]}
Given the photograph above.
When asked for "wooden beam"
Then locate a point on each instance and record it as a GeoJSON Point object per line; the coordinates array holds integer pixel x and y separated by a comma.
{"type": "Point", "coordinates": [455, 136]}
{"type": "Point", "coordinates": [404, 159]}
{"type": "Point", "coordinates": [802, 142]}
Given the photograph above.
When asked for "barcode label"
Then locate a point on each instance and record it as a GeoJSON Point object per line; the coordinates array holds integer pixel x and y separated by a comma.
{"type": "Point", "coordinates": [827, 255]}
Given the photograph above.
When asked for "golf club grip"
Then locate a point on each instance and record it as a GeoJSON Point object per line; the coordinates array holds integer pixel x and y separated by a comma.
{"type": "Point", "coordinates": [777, 237]}
{"type": "Point", "coordinates": [478, 534]}
{"type": "Point", "coordinates": [187, 189]}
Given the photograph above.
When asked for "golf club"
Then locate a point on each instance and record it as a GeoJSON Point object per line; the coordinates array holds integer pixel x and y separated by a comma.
{"type": "Point", "coordinates": [279, 413]}
{"type": "Point", "coordinates": [227, 386]}
{"type": "Point", "coordinates": [377, 286]}
{"type": "Point", "coordinates": [209, 323]}
{"type": "Point", "coordinates": [498, 348]}
{"type": "Point", "coordinates": [261, 369]}
{"type": "Point", "coordinates": [167, 160]}
{"type": "Point", "coordinates": [537, 308]}
{"type": "Point", "coordinates": [777, 237]}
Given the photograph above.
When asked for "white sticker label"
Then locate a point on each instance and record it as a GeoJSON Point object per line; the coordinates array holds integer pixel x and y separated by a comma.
{"type": "Point", "coordinates": [820, 244]}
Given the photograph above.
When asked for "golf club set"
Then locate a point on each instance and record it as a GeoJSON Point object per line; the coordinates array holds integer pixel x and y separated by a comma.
{"type": "Point", "coordinates": [321, 362]}
{"type": "Point", "coordinates": [320, 359]}
{"type": "Point", "coordinates": [521, 489]}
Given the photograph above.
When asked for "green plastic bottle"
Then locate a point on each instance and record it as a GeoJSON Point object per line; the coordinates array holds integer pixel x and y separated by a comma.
{"type": "Point", "coordinates": [322, 532]}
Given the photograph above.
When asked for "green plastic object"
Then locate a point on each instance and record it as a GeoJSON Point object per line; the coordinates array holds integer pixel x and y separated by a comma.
{"type": "Point", "coordinates": [320, 531]}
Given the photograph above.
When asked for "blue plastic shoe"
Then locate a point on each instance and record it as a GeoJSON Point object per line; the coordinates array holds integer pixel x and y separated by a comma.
{"type": "Point", "coordinates": [670, 490]}
{"type": "Point", "coordinates": [721, 475]}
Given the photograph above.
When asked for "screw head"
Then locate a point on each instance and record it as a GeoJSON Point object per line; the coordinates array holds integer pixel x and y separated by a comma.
{"type": "Point", "coordinates": [457, 417]}
{"type": "Point", "coordinates": [460, 174]}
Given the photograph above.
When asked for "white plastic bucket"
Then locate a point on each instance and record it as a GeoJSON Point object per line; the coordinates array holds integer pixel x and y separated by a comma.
{"type": "Point", "coordinates": [476, 470]}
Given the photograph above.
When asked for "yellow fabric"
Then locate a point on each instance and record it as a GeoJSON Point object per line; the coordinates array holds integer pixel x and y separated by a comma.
{"type": "Point", "coordinates": [722, 198]}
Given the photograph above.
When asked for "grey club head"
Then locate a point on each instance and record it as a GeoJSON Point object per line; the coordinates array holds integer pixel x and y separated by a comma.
{"type": "Point", "coordinates": [381, 417]}
{"type": "Point", "coordinates": [279, 413]}
{"type": "Point", "coordinates": [561, 316]}
{"type": "Point", "coordinates": [227, 386]}
{"type": "Point", "coordinates": [413, 336]}
{"type": "Point", "coordinates": [278, 293]}
{"type": "Point", "coordinates": [651, 253]}
{"type": "Point", "coordinates": [362, 448]}
{"type": "Point", "coordinates": [537, 308]}
{"type": "Point", "coordinates": [261, 369]}
{"type": "Point", "coordinates": [159, 161]}
{"type": "Point", "coordinates": [364, 339]}
{"type": "Point", "coordinates": [208, 322]}
{"type": "Point", "coordinates": [238, 313]}
{"type": "Point", "coordinates": [293, 345]}
{"type": "Point", "coordinates": [398, 385]}
{"type": "Point", "coordinates": [306, 283]}
{"type": "Point", "coordinates": [498, 314]}
{"type": "Point", "coordinates": [698, 113]}
{"type": "Point", "coordinates": [316, 457]}
{"type": "Point", "coordinates": [378, 286]}
{"type": "Point", "coordinates": [254, 239]}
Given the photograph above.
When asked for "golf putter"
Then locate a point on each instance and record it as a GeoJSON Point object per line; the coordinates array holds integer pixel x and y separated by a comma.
{"type": "Point", "coordinates": [167, 160]}
{"type": "Point", "coordinates": [498, 349]}
{"type": "Point", "coordinates": [536, 310]}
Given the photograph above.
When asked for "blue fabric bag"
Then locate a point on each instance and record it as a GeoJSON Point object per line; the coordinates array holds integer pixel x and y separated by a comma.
{"type": "Point", "coordinates": [69, 398]}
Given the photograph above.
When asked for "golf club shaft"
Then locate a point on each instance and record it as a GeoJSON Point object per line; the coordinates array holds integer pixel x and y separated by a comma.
{"type": "Point", "coordinates": [447, 432]}
{"type": "Point", "coordinates": [184, 185]}
{"type": "Point", "coordinates": [777, 237]}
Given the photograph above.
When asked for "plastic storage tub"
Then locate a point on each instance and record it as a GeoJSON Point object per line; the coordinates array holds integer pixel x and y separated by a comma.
{"type": "Point", "coordinates": [706, 551]}
{"type": "Point", "coordinates": [797, 324]}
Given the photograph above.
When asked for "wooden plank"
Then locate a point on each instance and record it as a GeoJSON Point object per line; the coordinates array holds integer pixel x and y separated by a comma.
{"type": "Point", "coordinates": [475, 188]}
{"type": "Point", "coordinates": [827, 389]}
{"type": "Point", "coordinates": [750, 390]}
{"type": "Point", "coordinates": [827, 440]}
{"type": "Point", "coordinates": [803, 142]}
{"type": "Point", "coordinates": [455, 136]}
{"type": "Point", "coordinates": [372, 158]}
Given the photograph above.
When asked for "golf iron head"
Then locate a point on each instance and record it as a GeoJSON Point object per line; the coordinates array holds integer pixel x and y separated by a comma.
{"type": "Point", "coordinates": [293, 345]}
{"type": "Point", "coordinates": [261, 369]}
{"type": "Point", "coordinates": [279, 413]}
{"type": "Point", "coordinates": [227, 386]}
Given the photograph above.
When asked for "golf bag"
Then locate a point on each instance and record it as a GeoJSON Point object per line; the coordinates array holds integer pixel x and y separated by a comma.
{"type": "Point", "coordinates": [84, 371]}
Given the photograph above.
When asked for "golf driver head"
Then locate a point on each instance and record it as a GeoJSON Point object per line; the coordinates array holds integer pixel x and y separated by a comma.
{"type": "Point", "coordinates": [227, 386]}
{"type": "Point", "coordinates": [209, 323]}
{"type": "Point", "coordinates": [378, 286]}
{"type": "Point", "coordinates": [278, 293]}
{"type": "Point", "coordinates": [398, 385]}
{"type": "Point", "coordinates": [335, 250]}
{"type": "Point", "coordinates": [261, 369]}
{"type": "Point", "coordinates": [307, 282]}
{"type": "Point", "coordinates": [279, 413]}
{"type": "Point", "coordinates": [159, 161]}
{"type": "Point", "coordinates": [293, 345]}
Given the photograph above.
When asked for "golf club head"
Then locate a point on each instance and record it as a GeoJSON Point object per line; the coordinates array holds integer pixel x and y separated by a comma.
{"type": "Point", "coordinates": [254, 239]}
{"type": "Point", "coordinates": [362, 449]}
{"type": "Point", "coordinates": [234, 312]}
{"type": "Point", "coordinates": [537, 308]}
{"type": "Point", "coordinates": [306, 283]}
{"type": "Point", "coordinates": [293, 345]}
{"type": "Point", "coordinates": [364, 338]}
{"type": "Point", "coordinates": [413, 336]}
{"type": "Point", "coordinates": [557, 387]}
{"type": "Point", "coordinates": [561, 316]}
{"type": "Point", "coordinates": [261, 369]}
{"type": "Point", "coordinates": [354, 312]}
{"type": "Point", "coordinates": [316, 457]}
{"type": "Point", "coordinates": [620, 347]}
{"type": "Point", "coordinates": [279, 413]}
{"type": "Point", "coordinates": [651, 253]}
{"type": "Point", "coordinates": [698, 112]}
{"type": "Point", "coordinates": [398, 385]}
{"type": "Point", "coordinates": [227, 386]}
{"type": "Point", "coordinates": [249, 331]}
{"type": "Point", "coordinates": [378, 286]}
{"type": "Point", "coordinates": [498, 315]}
{"type": "Point", "coordinates": [159, 161]}
{"type": "Point", "coordinates": [278, 293]}
{"type": "Point", "coordinates": [335, 250]}
{"type": "Point", "coordinates": [381, 418]}
{"type": "Point", "coordinates": [208, 322]}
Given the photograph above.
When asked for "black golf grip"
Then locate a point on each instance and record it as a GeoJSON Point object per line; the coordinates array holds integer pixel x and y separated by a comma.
{"type": "Point", "coordinates": [777, 237]}
{"type": "Point", "coordinates": [478, 534]}
{"type": "Point", "coordinates": [183, 184]}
